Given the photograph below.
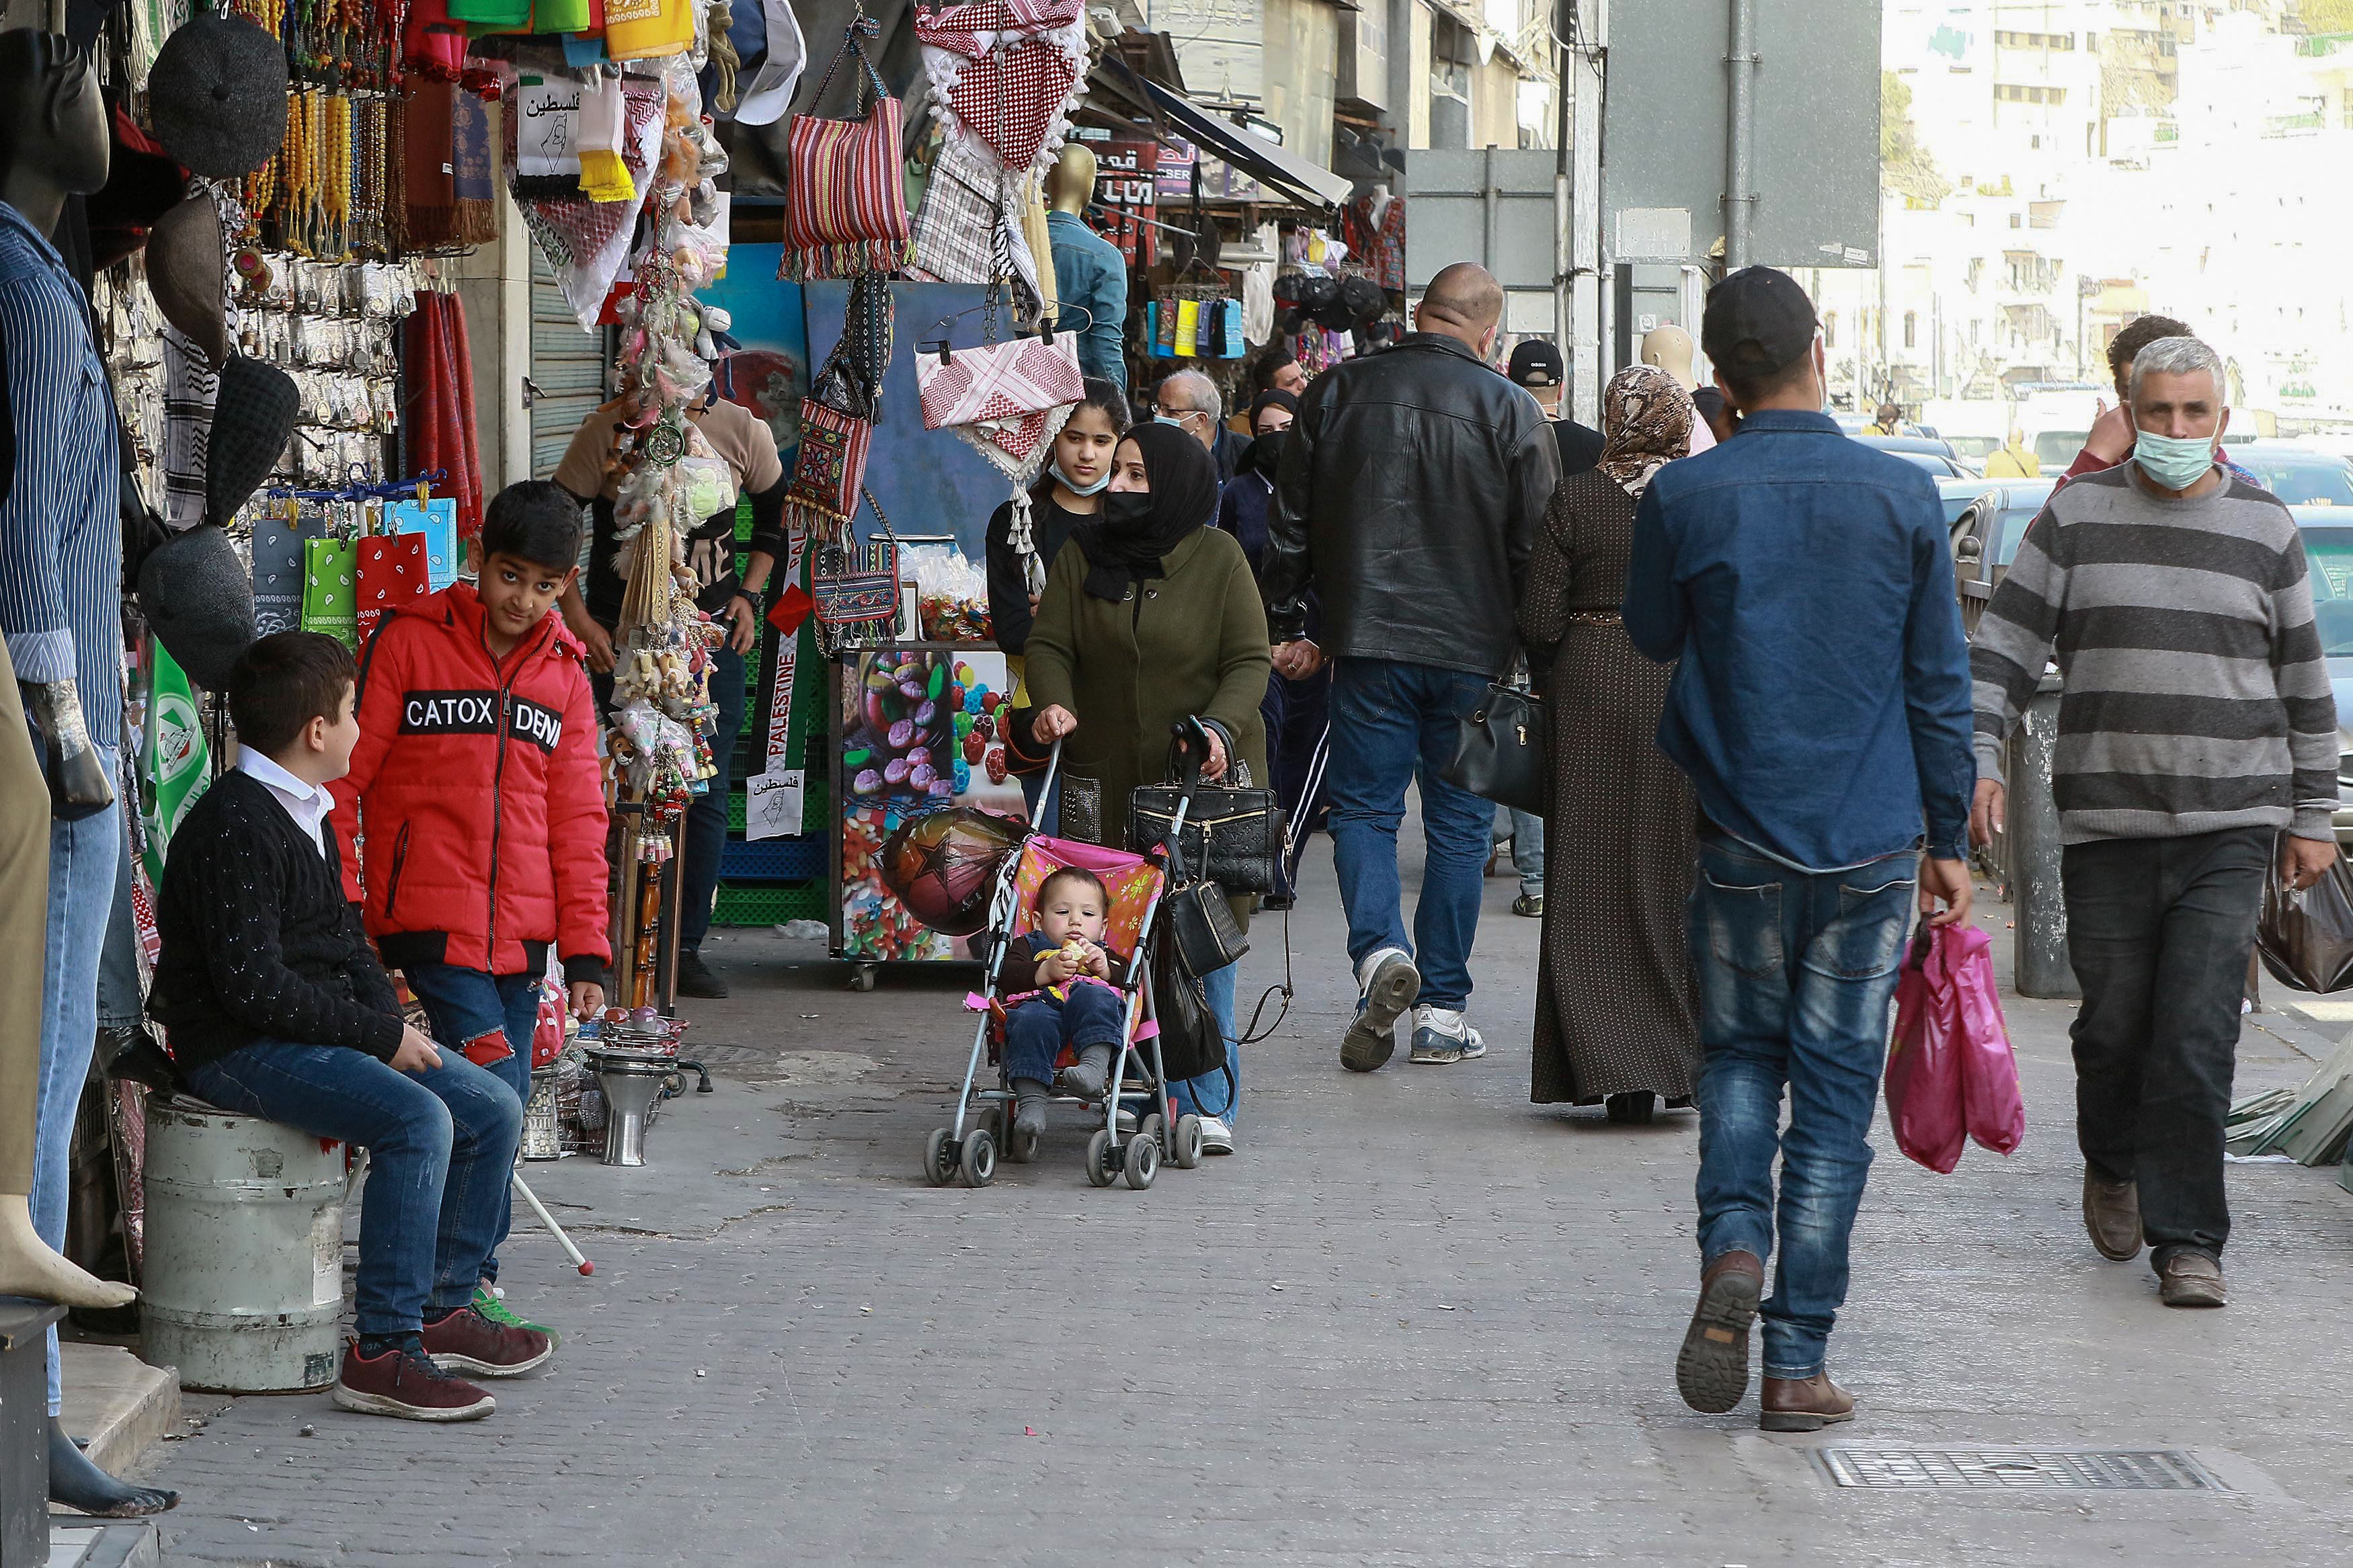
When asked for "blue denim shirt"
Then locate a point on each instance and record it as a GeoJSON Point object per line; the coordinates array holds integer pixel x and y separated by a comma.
{"type": "Point", "coordinates": [1089, 271]}
{"type": "Point", "coordinates": [1822, 705]}
{"type": "Point", "coordinates": [61, 519]}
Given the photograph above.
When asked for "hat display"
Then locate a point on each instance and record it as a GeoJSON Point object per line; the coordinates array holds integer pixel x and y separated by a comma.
{"type": "Point", "coordinates": [771, 91]}
{"type": "Point", "coordinates": [188, 277]}
{"type": "Point", "coordinates": [1758, 320]}
{"type": "Point", "coordinates": [253, 419]}
{"type": "Point", "coordinates": [1536, 362]}
{"type": "Point", "coordinates": [217, 94]}
{"type": "Point", "coordinates": [198, 597]}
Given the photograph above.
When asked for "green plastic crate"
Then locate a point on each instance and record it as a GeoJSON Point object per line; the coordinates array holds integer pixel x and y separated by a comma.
{"type": "Point", "coordinates": [768, 903]}
{"type": "Point", "coordinates": [738, 810]}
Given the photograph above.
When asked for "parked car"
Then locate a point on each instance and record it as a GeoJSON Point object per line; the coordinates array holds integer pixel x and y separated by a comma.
{"type": "Point", "coordinates": [1921, 452]}
{"type": "Point", "coordinates": [2300, 476]}
{"type": "Point", "coordinates": [1957, 495]}
{"type": "Point", "coordinates": [1986, 537]}
{"type": "Point", "coordinates": [2328, 553]}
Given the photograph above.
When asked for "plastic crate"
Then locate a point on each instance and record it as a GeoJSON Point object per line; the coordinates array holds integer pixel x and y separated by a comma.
{"type": "Point", "coordinates": [764, 904]}
{"type": "Point", "coordinates": [738, 809]}
{"type": "Point", "coordinates": [772, 860]}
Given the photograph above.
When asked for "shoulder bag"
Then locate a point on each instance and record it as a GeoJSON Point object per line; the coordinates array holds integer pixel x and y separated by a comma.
{"type": "Point", "coordinates": [1501, 750]}
{"type": "Point", "coordinates": [1233, 833]}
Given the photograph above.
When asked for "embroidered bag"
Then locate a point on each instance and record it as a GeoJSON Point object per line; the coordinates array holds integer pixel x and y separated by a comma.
{"type": "Point", "coordinates": [844, 205]}
{"type": "Point", "coordinates": [854, 586]}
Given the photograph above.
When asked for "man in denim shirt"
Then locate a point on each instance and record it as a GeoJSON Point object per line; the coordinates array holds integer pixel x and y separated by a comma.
{"type": "Point", "coordinates": [1821, 708]}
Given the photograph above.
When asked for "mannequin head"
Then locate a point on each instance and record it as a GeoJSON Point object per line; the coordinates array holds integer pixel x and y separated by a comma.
{"type": "Point", "coordinates": [53, 140]}
{"type": "Point", "coordinates": [1070, 183]}
{"type": "Point", "coordinates": [1670, 348]}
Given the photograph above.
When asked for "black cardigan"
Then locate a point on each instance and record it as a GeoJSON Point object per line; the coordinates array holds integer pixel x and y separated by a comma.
{"type": "Point", "coordinates": [258, 941]}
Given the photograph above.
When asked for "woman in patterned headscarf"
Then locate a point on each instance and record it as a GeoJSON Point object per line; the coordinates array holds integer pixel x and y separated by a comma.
{"type": "Point", "coordinates": [1615, 1010]}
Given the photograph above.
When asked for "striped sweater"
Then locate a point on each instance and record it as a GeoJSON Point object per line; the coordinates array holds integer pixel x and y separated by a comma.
{"type": "Point", "coordinates": [2196, 695]}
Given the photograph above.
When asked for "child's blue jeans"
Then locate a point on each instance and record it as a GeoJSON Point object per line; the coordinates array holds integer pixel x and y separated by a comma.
{"type": "Point", "coordinates": [467, 1004]}
{"type": "Point", "coordinates": [1037, 1030]}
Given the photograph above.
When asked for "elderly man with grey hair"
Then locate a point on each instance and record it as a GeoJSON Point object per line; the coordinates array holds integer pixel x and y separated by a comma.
{"type": "Point", "coordinates": [1189, 400]}
{"type": "Point", "coordinates": [2197, 750]}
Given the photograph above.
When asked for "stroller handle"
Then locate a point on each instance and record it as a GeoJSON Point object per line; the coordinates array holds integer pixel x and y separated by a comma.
{"type": "Point", "coordinates": [1053, 766]}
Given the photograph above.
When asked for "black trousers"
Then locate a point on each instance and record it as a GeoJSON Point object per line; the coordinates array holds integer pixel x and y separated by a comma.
{"type": "Point", "coordinates": [2159, 930]}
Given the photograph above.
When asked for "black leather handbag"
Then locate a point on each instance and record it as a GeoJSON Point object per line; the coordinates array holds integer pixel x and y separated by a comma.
{"type": "Point", "coordinates": [1502, 750]}
{"type": "Point", "coordinates": [1233, 833]}
{"type": "Point", "coordinates": [1191, 1043]}
{"type": "Point", "coordinates": [1201, 929]}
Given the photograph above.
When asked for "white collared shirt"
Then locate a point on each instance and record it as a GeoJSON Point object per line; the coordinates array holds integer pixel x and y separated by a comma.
{"type": "Point", "coordinates": [306, 803]}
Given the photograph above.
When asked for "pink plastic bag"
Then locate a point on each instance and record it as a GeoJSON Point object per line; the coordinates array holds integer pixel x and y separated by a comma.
{"type": "Point", "coordinates": [1989, 1095]}
{"type": "Point", "coordinates": [1950, 1073]}
{"type": "Point", "coordinates": [1924, 1063]}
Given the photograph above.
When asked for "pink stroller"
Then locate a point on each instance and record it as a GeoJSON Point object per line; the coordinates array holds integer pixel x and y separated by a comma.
{"type": "Point", "coordinates": [1138, 1088]}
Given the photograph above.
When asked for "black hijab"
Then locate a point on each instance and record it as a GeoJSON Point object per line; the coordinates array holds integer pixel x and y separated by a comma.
{"type": "Point", "coordinates": [1122, 549]}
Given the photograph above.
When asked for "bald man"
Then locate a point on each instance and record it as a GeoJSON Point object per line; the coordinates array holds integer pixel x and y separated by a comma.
{"type": "Point", "coordinates": [1409, 499]}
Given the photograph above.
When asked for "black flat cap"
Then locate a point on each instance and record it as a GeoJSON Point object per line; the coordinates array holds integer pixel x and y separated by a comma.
{"type": "Point", "coordinates": [1758, 320]}
{"type": "Point", "coordinates": [197, 595]}
{"type": "Point", "coordinates": [253, 419]}
{"type": "Point", "coordinates": [217, 92]}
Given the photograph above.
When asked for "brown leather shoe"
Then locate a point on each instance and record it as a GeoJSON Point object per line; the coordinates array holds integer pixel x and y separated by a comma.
{"type": "Point", "coordinates": [1803, 1404]}
{"type": "Point", "coordinates": [1712, 1369]}
{"type": "Point", "coordinates": [2190, 1279]}
{"type": "Point", "coordinates": [2112, 1215]}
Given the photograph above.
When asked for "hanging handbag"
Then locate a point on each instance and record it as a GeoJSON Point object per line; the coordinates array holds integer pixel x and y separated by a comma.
{"type": "Point", "coordinates": [1233, 833]}
{"type": "Point", "coordinates": [1199, 922]}
{"type": "Point", "coordinates": [854, 586]}
{"type": "Point", "coordinates": [844, 205]}
{"type": "Point", "coordinates": [1191, 1043]}
{"type": "Point", "coordinates": [330, 594]}
{"type": "Point", "coordinates": [1500, 748]}
{"type": "Point", "coordinates": [392, 571]}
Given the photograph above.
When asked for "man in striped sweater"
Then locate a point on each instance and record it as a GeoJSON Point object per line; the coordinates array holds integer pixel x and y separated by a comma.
{"type": "Point", "coordinates": [2196, 726]}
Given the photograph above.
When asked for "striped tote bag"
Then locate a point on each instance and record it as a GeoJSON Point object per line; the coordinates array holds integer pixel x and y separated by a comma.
{"type": "Point", "coordinates": [845, 203]}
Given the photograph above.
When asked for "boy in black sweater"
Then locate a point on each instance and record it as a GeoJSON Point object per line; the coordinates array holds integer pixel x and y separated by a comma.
{"type": "Point", "coordinates": [278, 1008]}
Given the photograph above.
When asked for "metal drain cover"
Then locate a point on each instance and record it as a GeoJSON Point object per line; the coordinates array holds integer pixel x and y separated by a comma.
{"type": "Point", "coordinates": [2029, 1469]}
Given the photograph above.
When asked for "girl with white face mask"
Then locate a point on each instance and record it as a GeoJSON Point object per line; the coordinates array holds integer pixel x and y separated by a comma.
{"type": "Point", "coordinates": [1069, 491]}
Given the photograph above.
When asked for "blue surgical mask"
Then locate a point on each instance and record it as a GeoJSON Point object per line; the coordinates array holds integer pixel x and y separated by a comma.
{"type": "Point", "coordinates": [1177, 420]}
{"type": "Point", "coordinates": [2176, 462]}
{"type": "Point", "coordinates": [1077, 489]}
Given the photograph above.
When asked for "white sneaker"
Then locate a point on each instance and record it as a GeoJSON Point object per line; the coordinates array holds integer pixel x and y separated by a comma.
{"type": "Point", "coordinates": [1217, 1135]}
{"type": "Point", "coordinates": [1387, 983]}
{"type": "Point", "coordinates": [1440, 1035]}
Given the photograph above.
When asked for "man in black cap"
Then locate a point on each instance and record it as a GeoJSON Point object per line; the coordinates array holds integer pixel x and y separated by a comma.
{"type": "Point", "coordinates": [1537, 365]}
{"type": "Point", "coordinates": [1411, 488]}
{"type": "Point", "coordinates": [1820, 707]}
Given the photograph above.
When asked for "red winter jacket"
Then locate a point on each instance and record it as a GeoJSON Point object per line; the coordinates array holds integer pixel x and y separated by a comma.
{"type": "Point", "coordinates": [477, 785]}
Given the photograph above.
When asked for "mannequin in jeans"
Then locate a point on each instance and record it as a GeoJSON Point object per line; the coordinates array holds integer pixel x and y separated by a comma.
{"type": "Point", "coordinates": [60, 562]}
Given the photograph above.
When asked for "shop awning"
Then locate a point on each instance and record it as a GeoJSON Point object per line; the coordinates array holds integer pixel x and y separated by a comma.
{"type": "Point", "coordinates": [1287, 171]}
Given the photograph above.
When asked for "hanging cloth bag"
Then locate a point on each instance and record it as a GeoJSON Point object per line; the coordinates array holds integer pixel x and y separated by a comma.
{"type": "Point", "coordinates": [642, 29]}
{"type": "Point", "coordinates": [854, 586]}
{"type": "Point", "coordinates": [845, 205]}
{"type": "Point", "coordinates": [392, 571]}
{"type": "Point", "coordinates": [330, 590]}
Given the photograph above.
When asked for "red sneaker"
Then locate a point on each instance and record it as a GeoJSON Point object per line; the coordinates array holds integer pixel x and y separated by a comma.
{"type": "Point", "coordinates": [466, 1341]}
{"type": "Point", "coordinates": [404, 1383]}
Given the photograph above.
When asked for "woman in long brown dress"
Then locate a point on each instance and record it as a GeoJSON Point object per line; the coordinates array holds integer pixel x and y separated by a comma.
{"type": "Point", "coordinates": [1616, 1019]}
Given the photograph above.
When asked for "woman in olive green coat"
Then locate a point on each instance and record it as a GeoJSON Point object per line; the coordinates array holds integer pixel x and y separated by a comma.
{"type": "Point", "coordinates": [1149, 616]}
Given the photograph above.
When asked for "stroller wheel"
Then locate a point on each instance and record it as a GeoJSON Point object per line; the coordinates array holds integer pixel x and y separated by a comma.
{"type": "Point", "coordinates": [1153, 1129]}
{"type": "Point", "coordinates": [1633, 1108]}
{"type": "Point", "coordinates": [1099, 1171]}
{"type": "Point", "coordinates": [1143, 1162]}
{"type": "Point", "coordinates": [1188, 1152]}
{"type": "Point", "coordinates": [977, 1163]}
{"type": "Point", "coordinates": [939, 1158]}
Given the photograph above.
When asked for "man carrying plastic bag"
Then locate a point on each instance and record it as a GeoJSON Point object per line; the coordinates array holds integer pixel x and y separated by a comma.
{"type": "Point", "coordinates": [1950, 1073]}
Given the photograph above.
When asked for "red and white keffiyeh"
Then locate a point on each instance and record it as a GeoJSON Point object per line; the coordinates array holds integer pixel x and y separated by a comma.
{"type": "Point", "coordinates": [1006, 74]}
{"type": "Point", "coordinates": [1007, 400]}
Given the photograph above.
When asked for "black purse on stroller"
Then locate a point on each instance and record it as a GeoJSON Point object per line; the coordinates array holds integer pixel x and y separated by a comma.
{"type": "Point", "coordinates": [1190, 1041]}
{"type": "Point", "coordinates": [1233, 833]}
{"type": "Point", "coordinates": [1202, 932]}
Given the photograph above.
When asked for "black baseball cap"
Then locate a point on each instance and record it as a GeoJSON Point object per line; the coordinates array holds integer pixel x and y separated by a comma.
{"type": "Point", "coordinates": [1758, 320]}
{"type": "Point", "coordinates": [1536, 362]}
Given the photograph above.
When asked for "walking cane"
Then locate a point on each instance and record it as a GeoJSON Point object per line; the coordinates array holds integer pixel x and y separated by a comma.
{"type": "Point", "coordinates": [555, 1229]}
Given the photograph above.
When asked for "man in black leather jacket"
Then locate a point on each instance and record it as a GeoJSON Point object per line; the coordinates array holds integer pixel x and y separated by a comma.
{"type": "Point", "coordinates": [1409, 496]}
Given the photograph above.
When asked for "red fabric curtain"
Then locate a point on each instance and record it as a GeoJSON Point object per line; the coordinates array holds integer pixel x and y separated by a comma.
{"type": "Point", "coordinates": [440, 406]}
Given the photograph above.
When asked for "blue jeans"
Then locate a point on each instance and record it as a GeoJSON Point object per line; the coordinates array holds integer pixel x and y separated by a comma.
{"type": "Point", "coordinates": [441, 1148]}
{"type": "Point", "coordinates": [1037, 1030]}
{"type": "Point", "coordinates": [1795, 970]}
{"type": "Point", "coordinates": [82, 859]}
{"type": "Point", "coordinates": [1526, 832]}
{"type": "Point", "coordinates": [1217, 1093]}
{"type": "Point", "coordinates": [464, 1004]}
{"type": "Point", "coordinates": [706, 815]}
{"type": "Point", "coordinates": [1393, 724]}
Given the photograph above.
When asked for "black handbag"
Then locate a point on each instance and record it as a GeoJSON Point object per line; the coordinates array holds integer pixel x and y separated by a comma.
{"type": "Point", "coordinates": [1201, 928]}
{"type": "Point", "coordinates": [1501, 750]}
{"type": "Point", "coordinates": [1191, 1043]}
{"type": "Point", "coordinates": [1233, 834]}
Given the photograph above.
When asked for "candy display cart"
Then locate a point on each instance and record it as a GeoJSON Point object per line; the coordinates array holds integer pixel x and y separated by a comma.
{"type": "Point", "coordinates": [915, 730]}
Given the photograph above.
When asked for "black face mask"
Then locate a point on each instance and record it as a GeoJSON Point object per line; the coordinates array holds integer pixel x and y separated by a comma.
{"type": "Point", "coordinates": [1264, 456]}
{"type": "Point", "coordinates": [1126, 511]}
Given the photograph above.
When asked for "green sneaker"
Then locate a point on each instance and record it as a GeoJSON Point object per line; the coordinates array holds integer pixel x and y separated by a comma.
{"type": "Point", "coordinates": [490, 1307]}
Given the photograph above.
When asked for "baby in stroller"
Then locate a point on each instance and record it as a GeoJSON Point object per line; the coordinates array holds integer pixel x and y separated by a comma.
{"type": "Point", "coordinates": [1069, 998]}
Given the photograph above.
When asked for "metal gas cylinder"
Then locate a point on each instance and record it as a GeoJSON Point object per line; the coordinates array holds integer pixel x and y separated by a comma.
{"type": "Point", "coordinates": [242, 1285]}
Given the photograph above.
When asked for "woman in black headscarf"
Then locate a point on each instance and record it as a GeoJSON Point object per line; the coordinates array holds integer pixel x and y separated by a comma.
{"type": "Point", "coordinates": [1150, 616]}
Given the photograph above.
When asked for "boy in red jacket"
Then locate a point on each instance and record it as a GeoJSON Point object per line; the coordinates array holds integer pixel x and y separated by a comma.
{"type": "Point", "coordinates": [477, 786]}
